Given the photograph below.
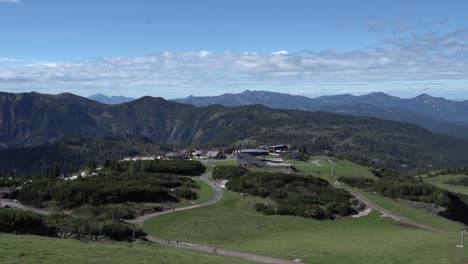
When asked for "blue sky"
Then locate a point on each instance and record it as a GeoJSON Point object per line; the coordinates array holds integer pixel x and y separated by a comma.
{"type": "Point", "coordinates": [177, 48]}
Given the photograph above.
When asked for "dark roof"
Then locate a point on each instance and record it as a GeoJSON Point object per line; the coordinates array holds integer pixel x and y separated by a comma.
{"type": "Point", "coordinates": [279, 146]}
{"type": "Point", "coordinates": [175, 154]}
{"type": "Point", "coordinates": [244, 159]}
{"type": "Point", "coordinates": [255, 152]}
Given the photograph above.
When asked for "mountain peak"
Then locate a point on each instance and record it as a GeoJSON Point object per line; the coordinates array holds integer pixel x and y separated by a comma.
{"type": "Point", "coordinates": [247, 92]}
{"type": "Point", "coordinates": [424, 96]}
{"type": "Point", "coordinates": [378, 94]}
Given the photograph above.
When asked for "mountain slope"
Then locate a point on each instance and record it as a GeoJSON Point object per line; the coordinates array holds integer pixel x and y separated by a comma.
{"type": "Point", "coordinates": [31, 119]}
{"type": "Point", "coordinates": [115, 99]}
{"type": "Point", "coordinates": [436, 114]}
{"type": "Point", "coordinates": [74, 152]}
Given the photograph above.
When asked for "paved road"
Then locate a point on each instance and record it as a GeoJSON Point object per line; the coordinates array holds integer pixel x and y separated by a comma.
{"type": "Point", "coordinates": [205, 177]}
{"type": "Point", "coordinates": [17, 205]}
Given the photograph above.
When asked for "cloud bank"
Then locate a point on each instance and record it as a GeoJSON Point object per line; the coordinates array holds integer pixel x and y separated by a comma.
{"type": "Point", "coordinates": [420, 57]}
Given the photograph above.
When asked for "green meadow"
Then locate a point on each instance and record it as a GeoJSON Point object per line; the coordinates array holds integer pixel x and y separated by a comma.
{"type": "Point", "coordinates": [36, 250]}
{"type": "Point", "coordinates": [233, 223]}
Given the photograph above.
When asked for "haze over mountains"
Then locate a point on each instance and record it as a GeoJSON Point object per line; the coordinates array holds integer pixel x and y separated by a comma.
{"type": "Point", "coordinates": [115, 99]}
{"type": "Point", "coordinates": [32, 119]}
{"type": "Point", "coordinates": [436, 114]}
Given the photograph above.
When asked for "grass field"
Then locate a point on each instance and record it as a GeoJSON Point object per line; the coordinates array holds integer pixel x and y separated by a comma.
{"type": "Point", "coordinates": [439, 181]}
{"type": "Point", "coordinates": [205, 193]}
{"type": "Point", "coordinates": [34, 249]}
{"type": "Point", "coordinates": [225, 162]}
{"type": "Point", "coordinates": [342, 168]}
{"type": "Point", "coordinates": [234, 224]}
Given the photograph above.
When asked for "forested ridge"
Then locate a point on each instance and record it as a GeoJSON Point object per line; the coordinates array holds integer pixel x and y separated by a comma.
{"type": "Point", "coordinates": [72, 153]}
{"type": "Point", "coordinates": [34, 119]}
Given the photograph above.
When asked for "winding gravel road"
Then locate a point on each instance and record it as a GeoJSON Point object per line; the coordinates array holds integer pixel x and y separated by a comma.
{"type": "Point", "coordinates": [207, 249]}
{"type": "Point", "coordinates": [205, 177]}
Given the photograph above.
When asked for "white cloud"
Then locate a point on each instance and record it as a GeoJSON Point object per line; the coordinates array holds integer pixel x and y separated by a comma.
{"type": "Point", "coordinates": [280, 52]}
{"type": "Point", "coordinates": [10, 1]}
{"type": "Point", "coordinates": [8, 59]}
{"type": "Point", "coordinates": [417, 58]}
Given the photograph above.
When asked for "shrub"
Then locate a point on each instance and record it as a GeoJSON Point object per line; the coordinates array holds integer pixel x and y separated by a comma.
{"type": "Point", "coordinates": [20, 221]}
{"type": "Point", "coordinates": [295, 195]}
{"type": "Point", "coordinates": [185, 193]}
{"type": "Point", "coordinates": [227, 172]}
{"type": "Point", "coordinates": [358, 182]}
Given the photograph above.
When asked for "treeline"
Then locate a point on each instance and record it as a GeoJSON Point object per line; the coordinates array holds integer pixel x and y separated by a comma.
{"type": "Point", "coordinates": [71, 154]}
{"type": "Point", "coordinates": [454, 170]}
{"type": "Point", "coordinates": [227, 172]}
{"type": "Point", "coordinates": [7, 182]}
{"type": "Point", "coordinates": [111, 187]}
{"type": "Point", "coordinates": [24, 222]}
{"type": "Point", "coordinates": [178, 167]}
{"type": "Point", "coordinates": [111, 228]}
{"type": "Point", "coordinates": [15, 221]}
{"type": "Point", "coordinates": [291, 194]}
{"type": "Point", "coordinates": [462, 181]}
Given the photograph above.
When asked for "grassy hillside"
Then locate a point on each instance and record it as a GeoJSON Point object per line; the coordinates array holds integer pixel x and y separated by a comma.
{"type": "Point", "coordinates": [34, 249]}
{"type": "Point", "coordinates": [234, 224]}
{"type": "Point", "coordinates": [320, 167]}
{"type": "Point", "coordinates": [441, 182]}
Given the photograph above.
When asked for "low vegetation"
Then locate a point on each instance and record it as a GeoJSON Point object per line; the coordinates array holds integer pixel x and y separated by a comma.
{"type": "Point", "coordinates": [15, 221]}
{"type": "Point", "coordinates": [358, 182]}
{"type": "Point", "coordinates": [95, 205]}
{"type": "Point", "coordinates": [118, 182]}
{"type": "Point", "coordinates": [178, 167]}
{"type": "Point", "coordinates": [290, 194]}
{"type": "Point", "coordinates": [228, 172]}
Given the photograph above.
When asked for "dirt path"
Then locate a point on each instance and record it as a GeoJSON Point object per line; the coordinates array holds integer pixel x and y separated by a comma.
{"type": "Point", "coordinates": [18, 205]}
{"type": "Point", "coordinates": [219, 251]}
{"type": "Point", "coordinates": [387, 213]}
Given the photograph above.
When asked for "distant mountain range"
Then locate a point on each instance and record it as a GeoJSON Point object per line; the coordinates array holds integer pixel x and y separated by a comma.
{"type": "Point", "coordinates": [115, 99]}
{"type": "Point", "coordinates": [32, 119]}
{"type": "Point", "coordinates": [435, 114]}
